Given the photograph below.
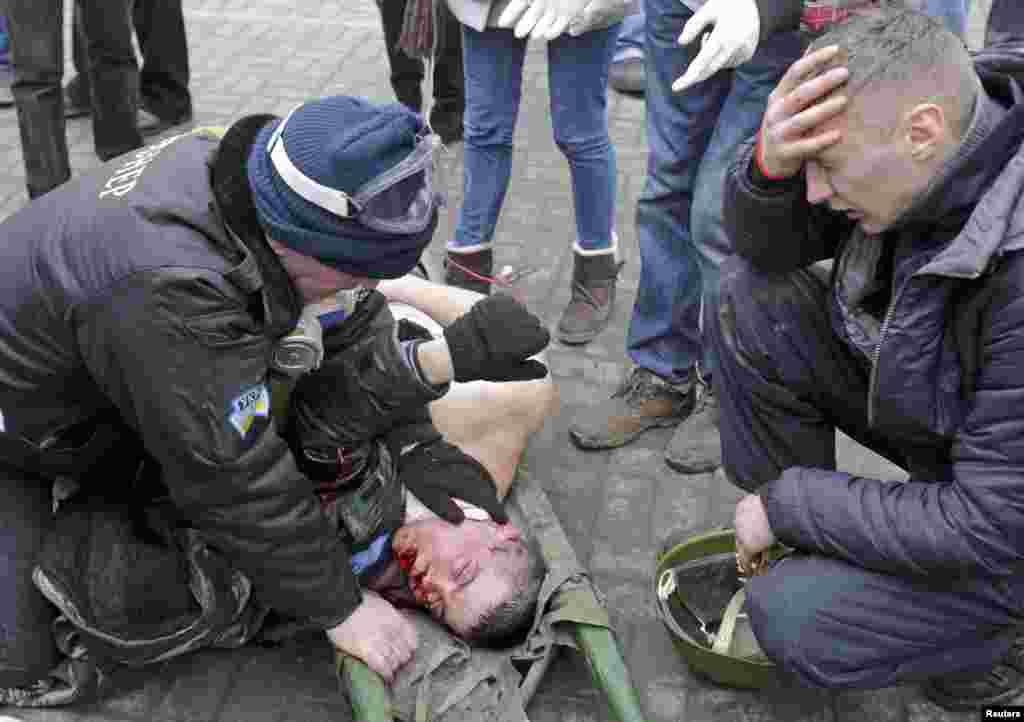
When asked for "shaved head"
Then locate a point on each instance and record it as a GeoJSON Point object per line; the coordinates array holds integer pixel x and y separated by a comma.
{"type": "Point", "coordinates": [899, 59]}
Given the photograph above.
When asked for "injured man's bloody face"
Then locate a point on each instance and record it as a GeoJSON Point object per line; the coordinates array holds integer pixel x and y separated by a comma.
{"type": "Point", "coordinates": [469, 576]}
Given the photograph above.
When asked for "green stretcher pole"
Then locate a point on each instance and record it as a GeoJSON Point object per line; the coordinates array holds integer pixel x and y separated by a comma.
{"type": "Point", "coordinates": [609, 670]}
{"type": "Point", "coordinates": [367, 692]}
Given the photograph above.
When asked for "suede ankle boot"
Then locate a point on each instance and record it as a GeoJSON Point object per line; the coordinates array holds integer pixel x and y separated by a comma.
{"type": "Point", "coordinates": [593, 297]}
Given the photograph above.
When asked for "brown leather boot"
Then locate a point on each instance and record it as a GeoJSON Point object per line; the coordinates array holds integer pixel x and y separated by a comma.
{"type": "Point", "coordinates": [593, 297]}
{"type": "Point", "coordinates": [643, 401]}
{"type": "Point", "coordinates": [471, 271]}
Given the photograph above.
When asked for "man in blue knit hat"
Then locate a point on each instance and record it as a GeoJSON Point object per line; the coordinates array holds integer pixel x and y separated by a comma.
{"type": "Point", "coordinates": [207, 308]}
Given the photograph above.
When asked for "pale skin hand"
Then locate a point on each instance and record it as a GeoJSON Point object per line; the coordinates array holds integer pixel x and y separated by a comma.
{"type": "Point", "coordinates": [753, 532]}
{"type": "Point", "coordinates": [790, 132]}
{"type": "Point", "coordinates": [377, 634]}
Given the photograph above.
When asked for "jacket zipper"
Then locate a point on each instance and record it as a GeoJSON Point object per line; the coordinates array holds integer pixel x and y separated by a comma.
{"type": "Point", "coordinates": [873, 381]}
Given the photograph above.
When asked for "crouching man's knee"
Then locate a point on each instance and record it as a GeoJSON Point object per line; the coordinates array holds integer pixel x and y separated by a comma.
{"type": "Point", "coordinates": [807, 619]}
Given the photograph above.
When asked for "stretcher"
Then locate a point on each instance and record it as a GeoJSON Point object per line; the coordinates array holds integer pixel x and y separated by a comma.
{"type": "Point", "coordinates": [573, 609]}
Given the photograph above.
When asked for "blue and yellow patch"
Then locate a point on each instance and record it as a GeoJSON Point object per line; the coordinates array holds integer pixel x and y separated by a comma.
{"type": "Point", "coordinates": [252, 404]}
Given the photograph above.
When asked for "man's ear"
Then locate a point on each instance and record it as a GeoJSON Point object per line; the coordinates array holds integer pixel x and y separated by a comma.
{"type": "Point", "coordinates": [927, 131]}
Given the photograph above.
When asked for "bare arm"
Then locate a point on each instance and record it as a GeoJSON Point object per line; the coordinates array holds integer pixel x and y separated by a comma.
{"type": "Point", "coordinates": [442, 303]}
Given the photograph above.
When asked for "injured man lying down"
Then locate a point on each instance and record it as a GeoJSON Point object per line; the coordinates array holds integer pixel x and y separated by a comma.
{"type": "Point", "coordinates": [419, 509]}
{"type": "Point", "coordinates": [479, 576]}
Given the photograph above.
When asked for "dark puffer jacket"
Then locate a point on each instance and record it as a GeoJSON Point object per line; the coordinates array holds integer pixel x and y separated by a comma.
{"type": "Point", "coordinates": [124, 297]}
{"type": "Point", "coordinates": [949, 362]}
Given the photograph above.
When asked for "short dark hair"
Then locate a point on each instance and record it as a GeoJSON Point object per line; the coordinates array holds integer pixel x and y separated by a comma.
{"type": "Point", "coordinates": [910, 49]}
{"type": "Point", "coordinates": [507, 623]}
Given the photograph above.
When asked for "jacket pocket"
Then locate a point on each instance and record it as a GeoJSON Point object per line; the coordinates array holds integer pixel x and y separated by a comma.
{"type": "Point", "coordinates": [226, 329]}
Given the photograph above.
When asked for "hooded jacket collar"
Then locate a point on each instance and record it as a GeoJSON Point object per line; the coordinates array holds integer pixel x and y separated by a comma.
{"type": "Point", "coordinates": [978, 188]}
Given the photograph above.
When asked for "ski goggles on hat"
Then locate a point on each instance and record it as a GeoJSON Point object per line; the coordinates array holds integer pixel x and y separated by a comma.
{"type": "Point", "coordinates": [402, 200]}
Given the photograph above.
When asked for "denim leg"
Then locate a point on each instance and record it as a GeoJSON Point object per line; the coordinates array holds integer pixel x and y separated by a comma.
{"type": "Point", "coordinates": [738, 120]}
{"type": "Point", "coordinates": [493, 66]}
{"type": "Point", "coordinates": [664, 334]}
{"type": "Point", "coordinates": [838, 626]}
{"type": "Point", "coordinates": [37, 45]}
{"type": "Point", "coordinates": [578, 78]}
{"type": "Point", "coordinates": [952, 12]}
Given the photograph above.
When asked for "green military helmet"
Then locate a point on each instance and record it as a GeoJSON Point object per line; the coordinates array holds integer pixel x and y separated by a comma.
{"type": "Point", "coordinates": [700, 598]}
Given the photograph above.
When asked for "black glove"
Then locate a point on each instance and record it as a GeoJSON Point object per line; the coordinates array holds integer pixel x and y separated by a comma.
{"type": "Point", "coordinates": [438, 472]}
{"type": "Point", "coordinates": [494, 341]}
{"type": "Point", "coordinates": [361, 391]}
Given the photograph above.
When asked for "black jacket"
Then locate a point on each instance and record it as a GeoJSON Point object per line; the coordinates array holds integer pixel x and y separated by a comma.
{"type": "Point", "coordinates": [123, 296]}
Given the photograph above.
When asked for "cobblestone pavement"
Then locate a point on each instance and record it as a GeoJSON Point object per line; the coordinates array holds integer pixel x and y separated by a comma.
{"type": "Point", "coordinates": [616, 507]}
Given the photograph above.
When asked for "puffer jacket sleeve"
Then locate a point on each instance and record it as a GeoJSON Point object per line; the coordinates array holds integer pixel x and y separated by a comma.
{"type": "Point", "coordinates": [970, 526]}
{"type": "Point", "coordinates": [770, 222]}
{"type": "Point", "coordinates": [185, 362]}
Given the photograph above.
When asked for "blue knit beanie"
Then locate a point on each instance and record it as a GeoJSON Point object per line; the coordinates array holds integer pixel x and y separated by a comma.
{"type": "Point", "coordinates": [340, 142]}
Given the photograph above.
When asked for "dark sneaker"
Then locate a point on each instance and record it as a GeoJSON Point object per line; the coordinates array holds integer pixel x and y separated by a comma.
{"type": "Point", "coordinates": [152, 124]}
{"type": "Point", "coordinates": [695, 447]}
{"type": "Point", "coordinates": [593, 298]}
{"type": "Point", "coordinates": [643, 401]}
{"type": "Point", "coordinates": [1001, 683]}
{"type": "Point", "coordinates": [472, 271]}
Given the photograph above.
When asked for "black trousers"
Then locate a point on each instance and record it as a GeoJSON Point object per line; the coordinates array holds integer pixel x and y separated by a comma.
{"type": "Point", "coordinates": [163, 82]}
{"type": "Point", "coordinates": [37, 51]}
{"type": "Point", "coordinates": [407, 73]}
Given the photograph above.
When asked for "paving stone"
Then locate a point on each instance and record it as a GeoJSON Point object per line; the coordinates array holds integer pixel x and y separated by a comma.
{"type": "Point", "coordinates": [198, 683]}
{"type": "Point", "coordinates": [888, 705]}
{"type": "Point", "coordinates": [921, 710]}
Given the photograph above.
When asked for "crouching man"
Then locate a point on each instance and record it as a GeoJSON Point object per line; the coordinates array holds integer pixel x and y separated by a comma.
{"type": "Point", "coordinates": [888, 150]}
{"type": "Point", "coordinates": [142, 313]}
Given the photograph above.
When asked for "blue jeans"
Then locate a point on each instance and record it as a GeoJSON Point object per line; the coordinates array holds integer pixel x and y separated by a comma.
{"type": "Point", "coordinates": [5, 45]}
{"type": "Point", "coordinates": [578, 78]}
{"type": "Point", "coordinates": [952, 12]}
{"type": "Point", "coordinates": [692, 137]}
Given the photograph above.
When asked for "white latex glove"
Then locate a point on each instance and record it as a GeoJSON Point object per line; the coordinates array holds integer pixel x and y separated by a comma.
{"type": "Point", "coordinates": [598, 14]}
{"type": "Point", "coordinates": [378, 634]}
{"type": "Point", "coordinates": [731, 42]}
{"type": "Point", "coordinates": [541, 19]}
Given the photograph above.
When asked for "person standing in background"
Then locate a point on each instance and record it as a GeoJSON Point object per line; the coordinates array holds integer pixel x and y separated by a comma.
{"type": "Point", "coordinates": [579, 56]}
{"type": "Point", "coordinates": [407, 73]}
{"type": "Point", "coordinates": [36, 29]}
{"type": "Point", "coordinates": [164, 97]}
{"type": "Point", "coordinates": [697, 117]}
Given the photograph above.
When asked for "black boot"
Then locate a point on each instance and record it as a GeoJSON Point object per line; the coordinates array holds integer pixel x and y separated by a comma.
{"type": "Point", "coordinates": [593, 297]}
{"type": "Point", "coordinates": [472, 270]}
